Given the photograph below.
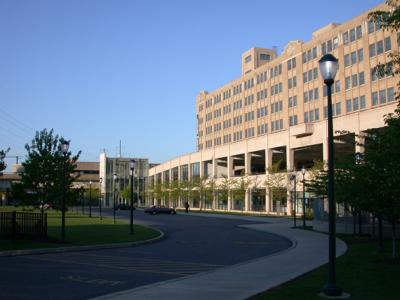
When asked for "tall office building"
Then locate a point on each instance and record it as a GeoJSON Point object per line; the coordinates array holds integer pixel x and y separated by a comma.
{"type": "Point", "coordinates": [275, 114]}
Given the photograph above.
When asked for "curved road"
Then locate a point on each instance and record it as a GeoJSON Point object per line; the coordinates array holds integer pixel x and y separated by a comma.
{"type": "Point", "coordinates": [193, 244]}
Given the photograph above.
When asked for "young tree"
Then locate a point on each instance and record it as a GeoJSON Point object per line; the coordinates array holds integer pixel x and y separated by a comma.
{"type": "Point", "coordinates": [275, 182]}
{"type": "Point", "coordinates": [3, 154]}
{"type": "Point", "coordinates": [47, 172]}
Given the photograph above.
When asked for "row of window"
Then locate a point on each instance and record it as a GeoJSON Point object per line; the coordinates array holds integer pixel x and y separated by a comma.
{"type": "Point", "coordinates": [262, 112]}
{"type": "Point", "coordinates": [276, 89]}
{"type": "Point", "coordinates": [354, 80]}
{"type": "Point", "coordinates": [249, 100]}
{"type": "Point", "coordinates": [249, 116]}
{"type": "Point", "coordinates": [249, 132]}
{"type": "Point", "coordinates": [354, 57]}
{"type": "Point", "coordinates": [227, 94]}
{"type": "Point", "coordinates": [227, 109]}
{"type": "Point", "coordinates": [262, 94]}
{"type": "Point", "coordinates": [291, 63]}
{"type": "Point", "coordinates": [217, 98]}
{"type": "Point", "coordinates": [262, 77]}
{"type": "Point", "coordinates": [237, 89]}
{"type": "Point", "coordinates": [355, 104]}
{"type": "Point", "coordinates": [380, 47]}
{"type": "Point", "coordinates": [237, 104]}
{"type": "Point", "coordinates": [276, 125]}
{"type": "Point", "coordinates": [383, 96]}
{"type": "Point", "coordinates": [352, 35]}
{"type": "Point", "coordinates": [311, 116]}
{"type": "Point", "coordinates": [336, 110]}
{"type": "Point", "coordinates": [329, 46]}
{"type": "Point", "coordinates": [293, 101]}
{"type": "Point", "coordinates": [217, 113]}
{"type": "Point", "coordinates": [276, 107]}
{"type": "Point", "coordinates": [292, 82]}
{"type": "Point", "coordinates": [276, 71]}
{"type": "Point", "coordinates": [310, 75]}
{"type": "Point", "coordinates": [249, 83]}
{"type": "Point", "coordinates": [311, 95]}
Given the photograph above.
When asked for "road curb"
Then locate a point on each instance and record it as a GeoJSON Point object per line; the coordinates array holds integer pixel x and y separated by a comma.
{"type": "Point", "coordinates": [81, 248]}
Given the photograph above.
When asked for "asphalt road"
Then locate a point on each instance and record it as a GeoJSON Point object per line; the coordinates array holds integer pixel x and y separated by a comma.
{"type": "Point", "coordinates": [193, 244]}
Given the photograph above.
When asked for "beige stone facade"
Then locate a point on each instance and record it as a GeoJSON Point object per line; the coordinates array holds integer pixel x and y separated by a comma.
{"type": "Point", "coordinates": [276, 111]}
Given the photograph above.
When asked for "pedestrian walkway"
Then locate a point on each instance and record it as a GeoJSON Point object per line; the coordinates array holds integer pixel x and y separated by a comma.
{"type": "Point", "coordinates": [309, 251]}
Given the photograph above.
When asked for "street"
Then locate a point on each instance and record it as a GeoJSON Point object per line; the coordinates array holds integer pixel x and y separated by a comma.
{"type": "Point", "coordinates": [192, 244]}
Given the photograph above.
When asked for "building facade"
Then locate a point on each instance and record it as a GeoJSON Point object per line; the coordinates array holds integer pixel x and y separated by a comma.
{"type": "Point", "coordinates": [115, 177]}
{"type": "Point", "coordinates": [275, 115]}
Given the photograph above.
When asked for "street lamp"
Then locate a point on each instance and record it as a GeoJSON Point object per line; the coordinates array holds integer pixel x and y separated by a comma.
{"type": "Point", "coordinates": [90, 199]}
{"type": "Point", "coordinates": [64, 150]}
{"type": "Point", "coordinates": [294, 178]}
{"type": "Point", "coordinates": [328, 66]}
{"type": "Point", "coordinates": [115, 188]}
{"type": "Point", "coordinates": [133, 164]}
{"type": "Point", "coordinates": [303, 171]}
{"type": "Point", "coordinates": [100, 196]}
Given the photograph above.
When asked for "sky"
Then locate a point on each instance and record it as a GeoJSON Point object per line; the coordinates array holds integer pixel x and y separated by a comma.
{"type": "Point", "coordinates": [103, 71]}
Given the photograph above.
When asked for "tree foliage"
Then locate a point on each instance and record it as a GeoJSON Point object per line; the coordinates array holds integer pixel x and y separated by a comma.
{"type": "Point", "coordinates": [3, 154]}
{"type": "Point", "coordinates": [46, 170]}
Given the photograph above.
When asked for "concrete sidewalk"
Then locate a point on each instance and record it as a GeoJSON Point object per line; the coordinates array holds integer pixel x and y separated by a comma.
{"type": "Point", "coordinates": [309, 251]}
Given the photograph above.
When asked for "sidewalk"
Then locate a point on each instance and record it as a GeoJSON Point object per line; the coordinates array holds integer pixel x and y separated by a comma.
{"type": "Point", "coordinates": [309, 251]}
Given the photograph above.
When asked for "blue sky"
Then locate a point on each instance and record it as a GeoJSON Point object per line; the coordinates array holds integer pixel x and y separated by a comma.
{"type": "Point", "coordinates": [102, 71]}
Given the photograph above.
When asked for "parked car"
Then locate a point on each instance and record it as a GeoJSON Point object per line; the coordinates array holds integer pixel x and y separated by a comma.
{"type": "Point", "coordinates": [159, 209]}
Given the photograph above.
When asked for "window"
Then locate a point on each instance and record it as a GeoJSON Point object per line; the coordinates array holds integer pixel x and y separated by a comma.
{"type": "Point", "coordinates": [390, 94]}
{"type": "Point", "coordinates": [316, 94]}
{"type": "Point", "coordinates": [382, 96]}
{"type": "Point", "coordinates": [375, 98]}
{"type": "Point", "coordinates": [264, 56]}
{"type": "Point", "coordinates": [339, 108]}
{"type": "Point", "coordinates": [305, 97]}
{"type": "Point", "coordinates": [349, 105]}
{"type": "Point", "coordinates": [306, 117]}
{"type": "Point", "coordinates": [347, 60]}
{"type": "Point", "coordinates": [361, 78]}
{"type": "Point", "coordinates": [293, 101]}
{"type": "Point", "coordinates": [247, 59]}
{"type": "Point", "coordinates": [337, 86]}
{"type": "Point", "coordinates": [388, 44]}
{"type": "Point", "coordinates": [354, 80]}
{"type": "Point", "coordinates": [347, 82]}
{"type": "Point", "coordinates": [359, 32]}
{"type": "Point", "coordinates": [353, 57]}
{"type": "Point", "coordinates": [362, 102]}
{"type": "Point", "coordinates": [360, 55]}
{"type": "Point", "coordinates": [379, 47]}
{"type": "Point", "coordinates": [372, 50]}
{"type": "Point", "coordinates": [291, 64]}
{"type": "Point", "coordinates": [292, 120]}
{"type": "Point", "coordinates": [371, 26]}
{"type": "Point", "coordinates": [356, 104]}
{"type": "Point", "coordinates": [352, 35]}
{"type": "Point", "coordinates": [345, 37]}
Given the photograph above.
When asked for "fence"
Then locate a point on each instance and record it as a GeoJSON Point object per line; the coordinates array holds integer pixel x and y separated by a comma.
{"type": "Point", "coordinates": [23, 224]}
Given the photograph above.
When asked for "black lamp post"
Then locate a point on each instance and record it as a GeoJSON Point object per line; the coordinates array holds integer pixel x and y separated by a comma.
{"type": "Point", "coordinates": [294, 178]}
{"type": "Point", "coordinates": [90, 199]}
{"type": "Point", "coordinates": [303, 171]}
{"type": "Point", "coordinates": [100, 196]}
{"type": "Point", "coordinates": [115, 189]}
{"type": "Point", "coordinates": [64, 150]}
{"type": "Point", "coordinates": [328, 66]}
{"type": "Point", "coordinates": [133, 164]}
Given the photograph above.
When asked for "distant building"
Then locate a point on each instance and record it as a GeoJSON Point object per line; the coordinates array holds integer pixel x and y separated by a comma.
{"type": "Point", "coordinates": [113, 188]}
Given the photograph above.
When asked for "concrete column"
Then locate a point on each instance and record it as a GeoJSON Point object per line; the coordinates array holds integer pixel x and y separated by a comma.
{"type": "Point", "coordinates": [229, 204]}
{"type": "Point", "coordinates": [289, 199]}
{"type": "Point", "coordinates": [247, 200]}
{"type": "Point", "coordinates": [360, 142]}
{"type": "Point", "coordinates": [289, 159]}
{"type": "Point", "coordinates": [215, 167]}
{"type": "Point", "coordinates": [230, 166]}
{"type": "Point", "coordinates": [202, 169]}
{"type": "Point", "coordinates": [268, 159]}
{"type": "Point", "coordinates": [247, 163]}
{"type": "Point", "coordinates": [325, 149]}
{"type": "Point", "coordinates": [267, 201]}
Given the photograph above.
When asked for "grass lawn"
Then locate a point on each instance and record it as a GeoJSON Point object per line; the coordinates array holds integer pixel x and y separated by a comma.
{"type": "Point", "coordinates": [362, 272]}
{"type": "Point", "coordinates": [80, 230]}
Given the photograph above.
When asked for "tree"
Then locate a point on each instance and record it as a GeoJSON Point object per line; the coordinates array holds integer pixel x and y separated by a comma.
{"type": "Point", "coordinates": [275, 182]}
{"type": "Point", "coordinates": [47, 172]}
{"type": "Point", "coordinates": [3, 165]}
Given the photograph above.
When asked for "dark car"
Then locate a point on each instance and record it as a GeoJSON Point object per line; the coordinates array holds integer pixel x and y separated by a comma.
{"type": "Point", "coordinates": [159, 209]}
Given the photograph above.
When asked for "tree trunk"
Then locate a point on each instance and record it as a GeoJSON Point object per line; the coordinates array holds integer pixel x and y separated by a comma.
{"type": "Point", "coordinates": [360, 223]}
{"type": "Point", "coordinates": [394, 252]}
{"type": "Point", "coordinates": [354, 213]}
{"type": "Point", "coordinates": [380, 233]}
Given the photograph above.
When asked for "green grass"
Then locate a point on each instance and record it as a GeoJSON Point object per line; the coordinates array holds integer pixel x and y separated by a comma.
{"type": "Point", "coordinates": [80, 230]}
{"type": "Point", "coordinates": [362, 272]}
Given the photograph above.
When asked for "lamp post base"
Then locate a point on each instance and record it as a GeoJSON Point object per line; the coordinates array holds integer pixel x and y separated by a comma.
{"type": "Point", "coordinates": [332, 291]}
